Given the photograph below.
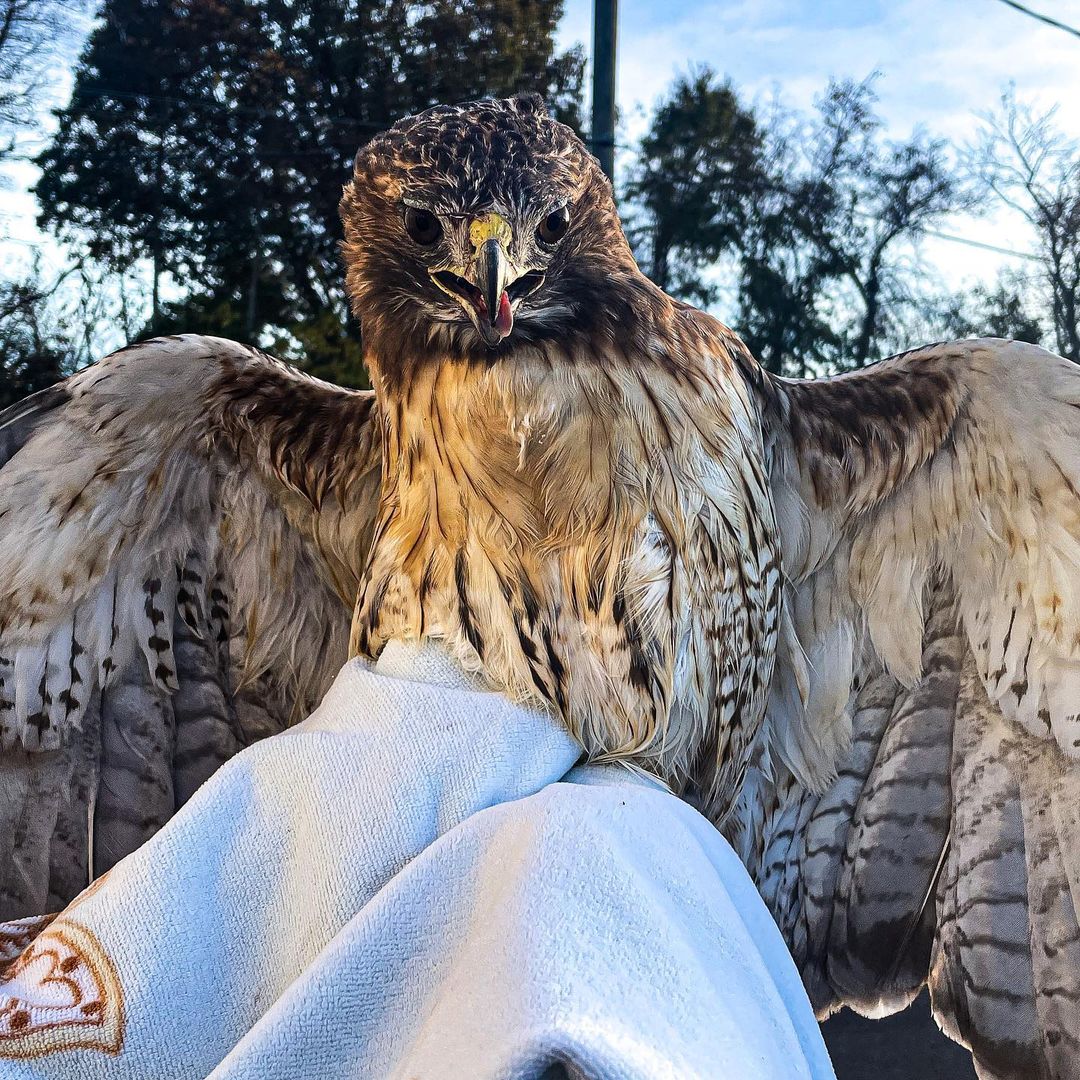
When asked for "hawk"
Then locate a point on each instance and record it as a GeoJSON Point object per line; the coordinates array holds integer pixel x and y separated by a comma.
{"type": "Point", "coordinates": [840, 616]}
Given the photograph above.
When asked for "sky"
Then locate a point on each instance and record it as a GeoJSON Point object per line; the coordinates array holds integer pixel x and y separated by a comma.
{"type": "Point", "coordinates": [940, 62]}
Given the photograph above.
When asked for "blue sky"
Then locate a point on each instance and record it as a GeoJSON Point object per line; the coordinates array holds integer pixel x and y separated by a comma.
{"type": "Point", "coordinates": [941, 62]}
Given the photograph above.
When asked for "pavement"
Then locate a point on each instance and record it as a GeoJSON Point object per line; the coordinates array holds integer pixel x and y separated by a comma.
{"type": "Point", "coordinates": [906, 1046]}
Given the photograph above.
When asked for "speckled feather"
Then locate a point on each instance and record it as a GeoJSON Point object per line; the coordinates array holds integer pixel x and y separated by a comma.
{"type": "Point", "coordinates": [840, 616]}
{"type": "Point", "coordinates": [182, 535]}
{"type": "Point", "coordinates": [930, 523]}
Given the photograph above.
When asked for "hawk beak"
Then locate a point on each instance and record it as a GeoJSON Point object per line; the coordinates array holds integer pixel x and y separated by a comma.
{"type": "Point", "coordinates": [492, 277]}
{"type": "Point", "coordinates": [490, 235]}
{"type": "Point", "coordinates": [490, 285]}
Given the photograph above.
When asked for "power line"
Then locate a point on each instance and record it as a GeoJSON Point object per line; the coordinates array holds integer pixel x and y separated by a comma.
{"type": "Point", "coordinates": [979, 244]}
{"type": "Point", "coordinates": [1042, 18]}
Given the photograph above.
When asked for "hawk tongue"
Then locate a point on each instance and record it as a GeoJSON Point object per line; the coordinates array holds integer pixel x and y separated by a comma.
{"type": "Point", "coordinates": [504, 318]}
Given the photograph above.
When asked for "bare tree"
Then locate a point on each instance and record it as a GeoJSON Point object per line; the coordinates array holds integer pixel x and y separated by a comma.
{"type": "Point", "coordinates": [1027, 162]}
{"type": "Point", "coordinates": [34, 352]}
{"type": "Point", "coordinates": [831, 257]}
{"type": "Point", "coordinates": [31, 34]}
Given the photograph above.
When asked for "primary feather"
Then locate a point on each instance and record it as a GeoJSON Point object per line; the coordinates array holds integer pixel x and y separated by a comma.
{"type": "Point", "coordinates": [839, 616]}
{"type": "Point", "coordinates": [181, 529]}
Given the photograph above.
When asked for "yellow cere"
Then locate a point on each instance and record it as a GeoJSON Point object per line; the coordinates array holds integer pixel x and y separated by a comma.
{"type": "Point", "coordinates": [490, 227]}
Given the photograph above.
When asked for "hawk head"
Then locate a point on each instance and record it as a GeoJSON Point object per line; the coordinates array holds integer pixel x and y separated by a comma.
{"type": "Point", "coordinates": [474, 228]}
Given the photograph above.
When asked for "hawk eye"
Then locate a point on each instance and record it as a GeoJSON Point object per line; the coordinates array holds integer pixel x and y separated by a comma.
{"type": "Point", "coordinates": [422, 226]}
{"type": "Point", "coordinates": [553, 228]}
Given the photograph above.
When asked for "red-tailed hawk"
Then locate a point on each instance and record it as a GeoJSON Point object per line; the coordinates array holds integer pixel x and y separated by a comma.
{"type": "Point", "coordinates": [841, 616]}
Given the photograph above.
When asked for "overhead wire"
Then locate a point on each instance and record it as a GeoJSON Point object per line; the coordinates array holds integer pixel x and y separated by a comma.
{"type": "Point", "coordinates": [220, 106]}
{"type": "Point", "coordinates": [980, 244]}
{"type": "Point", "coordinates": [1041, 17]}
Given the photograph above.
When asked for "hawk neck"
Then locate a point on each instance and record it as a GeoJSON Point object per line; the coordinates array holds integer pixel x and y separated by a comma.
{"type": "Point", "coordinates": [533, 516]}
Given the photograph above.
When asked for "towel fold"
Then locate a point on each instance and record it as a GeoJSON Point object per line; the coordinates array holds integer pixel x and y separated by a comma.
{"type": "Point", "coordinates": [415, 882]}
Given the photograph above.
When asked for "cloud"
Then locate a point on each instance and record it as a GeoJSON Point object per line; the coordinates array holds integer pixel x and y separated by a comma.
{"type": "Point", "coordinates": [940, 65]}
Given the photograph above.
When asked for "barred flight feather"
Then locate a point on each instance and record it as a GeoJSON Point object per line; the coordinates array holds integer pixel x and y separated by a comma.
{"type": "Point", "coordinates": [176, 576]}
{"type": "Point", "coordinates": [842, 617]}
{"type": "Point", "coordinates": [917, 814]}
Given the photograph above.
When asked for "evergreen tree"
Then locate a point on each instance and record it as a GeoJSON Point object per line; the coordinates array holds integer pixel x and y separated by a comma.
{"type": "Point", "coordinates": [213, 137]}
{"type": "Point", "coordinates": [157, 141]}
{"type": "Point", "coordinates": [697, 170]}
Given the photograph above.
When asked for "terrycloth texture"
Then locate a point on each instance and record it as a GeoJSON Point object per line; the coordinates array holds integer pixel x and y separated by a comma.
{"type": "Point", "coordinates": [400, 887]}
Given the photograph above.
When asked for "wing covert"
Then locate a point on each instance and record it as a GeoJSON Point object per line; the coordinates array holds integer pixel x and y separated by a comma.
{"type": "Point", "coordinates": [916, 815]}
{"type": "Point", "coordinates": [182, 529]}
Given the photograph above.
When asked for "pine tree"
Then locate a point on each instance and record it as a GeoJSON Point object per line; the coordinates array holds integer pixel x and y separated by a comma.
{"type": "Point", "coordinates": [213, 137]}
{"type": "Point", "coordinates": [698, 168]}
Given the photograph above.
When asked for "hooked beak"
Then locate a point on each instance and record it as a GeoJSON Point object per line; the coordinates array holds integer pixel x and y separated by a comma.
{"type": "Point", "coordinates": [492, 277]}
{"type": "Point", "coordinates": [491, 285]}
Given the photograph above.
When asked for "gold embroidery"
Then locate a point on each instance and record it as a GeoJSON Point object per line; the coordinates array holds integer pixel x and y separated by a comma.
{"type": "Point", "coordinates": [89, 890]}
{"type": "Point", "coordinates": [16, 936]}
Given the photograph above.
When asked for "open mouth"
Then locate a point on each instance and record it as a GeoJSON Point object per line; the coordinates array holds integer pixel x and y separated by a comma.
{"type": "Point", "coordinates": [516, 290]}
{"type": "Point", "coordinates": [525, 285]}
{"type": "Point", "coordinates": [458, 285]}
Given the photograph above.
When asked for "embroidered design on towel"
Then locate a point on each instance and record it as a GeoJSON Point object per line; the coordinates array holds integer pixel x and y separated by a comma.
{"type": "Point", "coordinates": [15, 936]}
{"type": "Point", "coordinates": [60, 992]}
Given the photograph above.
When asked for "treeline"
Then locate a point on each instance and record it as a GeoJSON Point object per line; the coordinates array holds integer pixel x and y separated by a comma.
{"type": "Point", "coordinates": [807, 231]}
{"type": "Point", "coordinates": [205, 144]}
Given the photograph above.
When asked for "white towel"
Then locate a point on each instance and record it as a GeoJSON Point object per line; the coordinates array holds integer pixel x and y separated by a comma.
{"type": "Point", "coordinates": [401, 887]}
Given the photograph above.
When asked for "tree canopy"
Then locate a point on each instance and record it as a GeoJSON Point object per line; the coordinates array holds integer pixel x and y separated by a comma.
{"type": "Point", "coordinates": [814, 220]}
{"type": "Point", "coordinates": [212, 139]}
{"type": "Point", "coordinates": [692, 186]}
{"type": "Point", "coordinates": [206, 142]}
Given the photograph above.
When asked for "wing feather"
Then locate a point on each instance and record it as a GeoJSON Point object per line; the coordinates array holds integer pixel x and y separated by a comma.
{"type": "Point", "coordinates": [917, 816]}
{"type": "Point", "coordinates": [182, 528]}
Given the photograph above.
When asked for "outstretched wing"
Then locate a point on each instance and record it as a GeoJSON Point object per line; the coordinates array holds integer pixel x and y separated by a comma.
{"type": "Point", "coordinates": [182, 529]}
{"type": "Point", "coordinates": [919, 820]}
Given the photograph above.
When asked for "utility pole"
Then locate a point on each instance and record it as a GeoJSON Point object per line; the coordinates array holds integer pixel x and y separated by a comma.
{"type": "Point", "coordinates": [605, 25]}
